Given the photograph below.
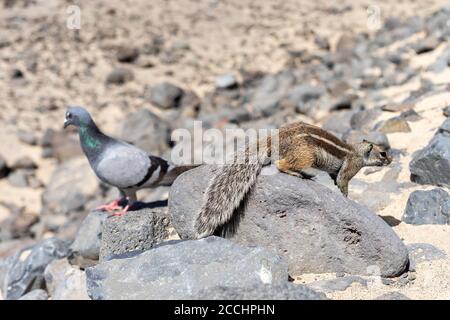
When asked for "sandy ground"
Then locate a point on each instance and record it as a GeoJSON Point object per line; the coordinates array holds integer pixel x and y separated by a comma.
{"type": "Point", "coordinates": [223, 37]}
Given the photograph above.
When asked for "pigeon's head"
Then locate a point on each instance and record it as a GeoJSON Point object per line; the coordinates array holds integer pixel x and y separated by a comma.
{"type": "Point", "coordinates": [77, 116]}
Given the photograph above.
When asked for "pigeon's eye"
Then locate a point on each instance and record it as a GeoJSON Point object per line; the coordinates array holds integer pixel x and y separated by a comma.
{"type": "Point", "coordinates": [383, 154]}
{"type": "Point", "coordinates": [68, 115]}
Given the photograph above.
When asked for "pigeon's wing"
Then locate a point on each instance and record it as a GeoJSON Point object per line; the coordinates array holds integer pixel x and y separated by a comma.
{"type": "Point", "coordinates": [123, 166]}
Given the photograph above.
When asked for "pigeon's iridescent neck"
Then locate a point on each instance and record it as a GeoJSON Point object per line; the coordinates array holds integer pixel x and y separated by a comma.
{"type": "Point", "coordinates": [87, 138]}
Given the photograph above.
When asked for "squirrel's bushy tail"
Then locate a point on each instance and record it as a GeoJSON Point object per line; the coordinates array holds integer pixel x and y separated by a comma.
{"type": "Point", "coordinates": [228, 187]}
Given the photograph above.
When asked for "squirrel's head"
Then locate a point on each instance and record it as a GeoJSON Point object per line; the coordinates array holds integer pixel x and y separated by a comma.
{"type": "Point", "coordinates": [373, 154]}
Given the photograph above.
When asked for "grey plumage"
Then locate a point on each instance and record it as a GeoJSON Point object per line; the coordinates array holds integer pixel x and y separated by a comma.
{"type": "Point", "coordinates": [118, 163]}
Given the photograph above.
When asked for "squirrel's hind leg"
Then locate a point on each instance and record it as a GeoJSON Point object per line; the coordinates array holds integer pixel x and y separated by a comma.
{"type": "Point", "coordinates": [294, 168]}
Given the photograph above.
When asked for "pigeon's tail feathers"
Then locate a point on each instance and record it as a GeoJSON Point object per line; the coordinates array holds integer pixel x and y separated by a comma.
{"type": "Point", "coordinates": [227, 189]}
{"type": "Point", "coordinates": [173, 172]}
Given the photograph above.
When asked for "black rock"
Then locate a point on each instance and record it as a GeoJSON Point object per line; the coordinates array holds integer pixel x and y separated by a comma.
{"type": "Point", "coordinates": [145, 130]}
{"type": "Point", "coordinates": [426, 45]}
{"type": "Point", "coordinates": [183, 269]}
{"type": "Point", "coordinates": [119, 76]}
{"type": "Point", "coordinates": [317, 230]}
{"type": "Point", "coordinates": [37, 294]}
{"type": "Point", "coordinates": [446, 111]}
{"type": "Point", "coordinates": [428, 207]}
{"type": "Point", "coordinates": [392, 296]}
{"type": "Point", "coordinates": [286, 291]}
{"type": "Point", "coordinates": [4, 169]}
{"type": "Point", "coordinates": [86, 246]}
{"type": "Point", "coordinates": [431, 165]}
{"type": "Point", "coordinates": [227, 81]}
{"type": "Point", "coordinates": [166, 95]}
{"type": "Point", "coordinates": [24, 163]}
{"type": "Point", "coordinates": [24, 270]}
{"type": "Point", "coordinates": [127, 54]}
{"type": "Point", "coordinates": [27, 137]}
{"type": "Point", "coordinates": [422, 252]}
{"type": "Point", "coordinates": [356, 136]}
{"type": "Point", "coordinates": [138, 231]}
{"type": "Point", "coordinates": [322, 43]}
{"type": "Point", "coordinates": [18, 179]}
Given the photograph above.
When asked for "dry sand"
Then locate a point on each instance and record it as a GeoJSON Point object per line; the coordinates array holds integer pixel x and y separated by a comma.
{"type": "Point", "coordinates": [223, 37]}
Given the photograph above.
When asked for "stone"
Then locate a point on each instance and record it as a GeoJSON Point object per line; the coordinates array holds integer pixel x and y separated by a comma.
{"type": "Point", "coordinates": [18, 179]}
{"type": "Point", "coordinates": [24, 163]}
{"type": "Point", "coordinates": [136, 231]}
{"type": "Point", "coordinates": [446, 111]}
{"type": "Point", "coordinates": [396, 124]}
{"type": "Point", "coordinates": [315, 229]}
{"type": "Point", "coordinates": [427, 207]}
{"type": "Point", "coordinates": [37, 294]}
{"type": "Point", "coordinates": [431, 165]}
{"type": "Point", "coordinates": [146, 131]}
{"type": "Point", "coordinates": [227, 81]}
{"type": "Point", "coordinates": [166, 95]}
{"type": "Point", "coordinates": [72, 185]}
{"type": "Point", "coordinates": [4, 169]}
{"type": "Point", "coordinates": [392, 296]}
{"type": "Point", "coordinates": [410, 115]}
{"type": "Point", "coordinates": [86, 246]}
{"type": "Point", "coordinates": [62, 145]}
{"type": "Point", "coordinates": [27, 137]}
{"type": "Point", "coordinates": [119, 76]}
{"type": "Point", "coordinates": [356, 136]}
{"type": "Point", "coordinates": [423, 252]}
{"type": "Point", "coordinates": [25, 269]}
{"type": "Point", "coordinates": [127, 54]}
{"type": "Point", "coordinates": [426, 45]}
{"type": "Point", "coordinates": [322, 43]}
{"type": "Point", "coordinates": [182, 269]}
{"type": "Point", "coordinates": [65, 282]}
{"type": "Point", "coordinates": [365, 119]}
{"type": "Point", "coordinates": [286, 291]}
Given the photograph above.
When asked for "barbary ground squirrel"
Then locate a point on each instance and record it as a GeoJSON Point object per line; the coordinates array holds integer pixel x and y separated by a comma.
{"type": "Point", "coordinates": [301, 146]}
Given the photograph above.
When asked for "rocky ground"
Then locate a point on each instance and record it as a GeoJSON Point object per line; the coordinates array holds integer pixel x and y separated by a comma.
{"type": "Point", "coordinates": [145, 68]}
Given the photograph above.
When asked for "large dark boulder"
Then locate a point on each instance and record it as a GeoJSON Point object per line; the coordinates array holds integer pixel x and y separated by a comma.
{"type": "Point", "coordinates": [314, 228]}
{"type": "Point", "coordinates": [183, 269]}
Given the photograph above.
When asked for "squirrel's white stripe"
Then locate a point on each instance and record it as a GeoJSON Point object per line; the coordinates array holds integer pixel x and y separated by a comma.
{"type": "Point", "coordinates": [324, 140]}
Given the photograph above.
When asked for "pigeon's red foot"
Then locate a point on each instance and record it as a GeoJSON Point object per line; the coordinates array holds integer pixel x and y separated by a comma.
{"type": "Point", "coordinates": [121, 212]}
{"type": "Point", "coordinates": [114, 205]}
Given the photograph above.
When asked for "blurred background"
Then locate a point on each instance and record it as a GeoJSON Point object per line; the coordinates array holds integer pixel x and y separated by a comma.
{"type": "Point", "coordinates": [144, 68]}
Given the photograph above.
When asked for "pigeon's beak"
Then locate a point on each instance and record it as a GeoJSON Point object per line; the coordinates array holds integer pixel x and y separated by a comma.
{"type": "Point", "coordinates": [66, 123]}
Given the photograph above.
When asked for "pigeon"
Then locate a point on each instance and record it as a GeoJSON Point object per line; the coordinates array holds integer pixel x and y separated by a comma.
{"type": "Point", "coordinates": [120, 164]}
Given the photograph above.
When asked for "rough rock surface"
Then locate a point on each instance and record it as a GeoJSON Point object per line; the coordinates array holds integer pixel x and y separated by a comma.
{"type": "Point", "coordinates": [182, 269]}
{"type": "Point", "coordinates": [146, 131]}
{"type": "Point", "coordinates": [25, 269]}
{"type": "Point", "coordinates": [37, 294]}
{"type": "Point", "coordinates": [315, 229]}
{"type": "Point", "coordinates": [431, 165]}
{"type": "Point", "coordinates": [428, 207]}
{"type": "Point", "coordinates": [392, 296]}
{"type": "Point", "coordinates": [286, 291]}
{"type": "Point", "coordinates": [134, 231]}
{"type": "Point", "coordinates": [86, 246]}
{"type": "Point", "coordinates": [65, 282]}
{"type": "Point", "coordinates": [422, 252]}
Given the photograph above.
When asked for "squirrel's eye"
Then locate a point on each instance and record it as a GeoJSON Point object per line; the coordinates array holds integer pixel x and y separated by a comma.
{"type": "Point", "coordinates": [383, 154]}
